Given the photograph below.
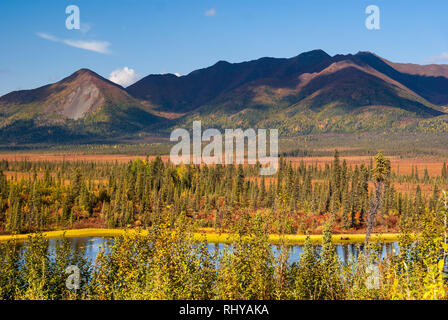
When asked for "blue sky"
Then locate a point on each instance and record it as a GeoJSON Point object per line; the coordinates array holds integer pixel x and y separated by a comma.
{"type": "Point", "coordinates": [160, 36]}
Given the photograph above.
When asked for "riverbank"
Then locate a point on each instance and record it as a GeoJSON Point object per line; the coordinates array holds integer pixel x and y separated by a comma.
{"type": "Point", "coordinates": [211, 237]}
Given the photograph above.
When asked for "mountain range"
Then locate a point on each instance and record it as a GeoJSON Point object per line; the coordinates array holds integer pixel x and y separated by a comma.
{"type": "Point", "coordinates": [311, 93]}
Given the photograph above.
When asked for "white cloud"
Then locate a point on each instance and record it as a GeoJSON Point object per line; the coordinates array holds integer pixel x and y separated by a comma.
{"type": "Point", "coordinates": [440, 58]}
{"type": "Point", "coordinates": [211, 12]}
{"type": "Point", "coordinates": [124, 77]}
{"type": "Point", "coordinates": [95, 46]}
{"type": "Point", "coordinates": [92, 45]}
{"type": "Point", "coordinates": [47, 36]}
{"type": "Point", "coordinates": [177, 74]}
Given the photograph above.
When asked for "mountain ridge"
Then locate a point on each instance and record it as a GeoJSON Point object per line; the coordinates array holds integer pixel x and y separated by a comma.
{"type": "Point", "coordinates": [312, 92]}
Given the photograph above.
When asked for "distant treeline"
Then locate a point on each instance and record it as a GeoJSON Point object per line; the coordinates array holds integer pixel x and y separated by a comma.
{"type": "Point", "coordinates": [43, 195]}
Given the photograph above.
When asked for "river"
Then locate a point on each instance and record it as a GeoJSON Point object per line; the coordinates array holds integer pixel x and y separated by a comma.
{"type": "Point", "coordinates": [93, 245]}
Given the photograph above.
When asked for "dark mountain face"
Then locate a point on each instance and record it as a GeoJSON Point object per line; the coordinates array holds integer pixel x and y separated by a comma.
{"type": "Point", "coordinates": [430, 87]}
{"type": "Point", "coordinates": [337, 88]}
{"type": "Point", "coordinates": [351, 81]}
{"type": "Point", "coordinates": [183, 94]}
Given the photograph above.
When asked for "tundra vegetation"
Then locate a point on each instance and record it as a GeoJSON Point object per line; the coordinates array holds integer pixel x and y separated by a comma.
{"type": "Point", "coordinates": [173, 202]}
{"type": "Point", "coordinates": [168, 263]}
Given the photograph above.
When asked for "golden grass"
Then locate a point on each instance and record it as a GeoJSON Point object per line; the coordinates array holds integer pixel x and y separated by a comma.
{"type": "Point", "coordinates": [300, 239]}
{"type": "Point", "coordinates": [76, 233]}
{"type": "Point", "coordinates": [211, 237]}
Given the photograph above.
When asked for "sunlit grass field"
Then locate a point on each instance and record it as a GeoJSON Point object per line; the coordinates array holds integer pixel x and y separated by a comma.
{"type": "Point", "coordinates": [206, 234]}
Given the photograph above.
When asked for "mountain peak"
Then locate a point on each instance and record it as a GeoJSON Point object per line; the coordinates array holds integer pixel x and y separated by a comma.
{"type": "Point", "coordinates": [86, 75]}
{"type": "Point", "coordinates": [317, 53]}
{"type": "Point", "coordinates": [367, 54]}
{"type": "Point", "coordinates": [84, 72]}
{"type": "Point", "coordinates": [222, 63]}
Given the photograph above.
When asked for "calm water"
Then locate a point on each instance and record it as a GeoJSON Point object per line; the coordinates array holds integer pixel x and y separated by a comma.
{"type": "Point", "coordinates": [94, 244]}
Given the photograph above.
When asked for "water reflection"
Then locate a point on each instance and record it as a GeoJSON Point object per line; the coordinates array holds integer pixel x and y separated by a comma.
{"type": "Point", "coordinates": [93, 245]}
{"type": "Point", "coordinates": [345, 252]}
